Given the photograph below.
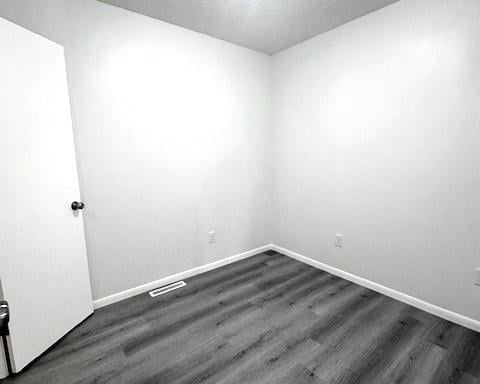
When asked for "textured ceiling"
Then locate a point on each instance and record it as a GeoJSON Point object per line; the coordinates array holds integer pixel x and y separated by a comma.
{"type": "Point", "coordinates": [267, 26]}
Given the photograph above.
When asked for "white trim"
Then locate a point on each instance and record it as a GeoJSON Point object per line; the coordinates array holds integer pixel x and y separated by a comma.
{"type": "Point", "coordinates": [418, 303]}
{"type": "Point", "coordinates": [104, 301]}
{"type": "Point", "coordinates": [423, 305]}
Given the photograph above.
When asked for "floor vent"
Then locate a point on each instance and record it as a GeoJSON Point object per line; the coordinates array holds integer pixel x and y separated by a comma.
{"type": "Point", "coordinates": [167, 288]}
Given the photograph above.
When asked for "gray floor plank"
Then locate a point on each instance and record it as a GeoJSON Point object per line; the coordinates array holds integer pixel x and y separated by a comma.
{"type": "Point", "coordinates": [266, 319]}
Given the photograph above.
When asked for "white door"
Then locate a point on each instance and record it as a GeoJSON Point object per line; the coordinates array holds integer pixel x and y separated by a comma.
{"type": "Point", "coordinates": [43, 263]}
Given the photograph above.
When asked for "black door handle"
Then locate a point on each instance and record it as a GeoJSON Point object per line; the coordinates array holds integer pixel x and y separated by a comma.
{"type": "Point", "coordinates": [4, 317]}
{"type": "Point", "coordinates": [77, 205]}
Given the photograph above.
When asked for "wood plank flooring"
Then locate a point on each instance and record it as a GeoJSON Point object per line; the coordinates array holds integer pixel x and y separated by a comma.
{"type": "Point", "coordinates": [266, 319]}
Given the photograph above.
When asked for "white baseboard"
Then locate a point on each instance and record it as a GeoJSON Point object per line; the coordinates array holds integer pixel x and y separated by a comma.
{"type": "Point", "coordinates": [423, 305]}
{"type": "Point", "coordinates": [104, 301]}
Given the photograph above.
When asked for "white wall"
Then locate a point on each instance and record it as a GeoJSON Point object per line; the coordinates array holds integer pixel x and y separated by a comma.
{"type": "Point", "coordinates": [172, 133]}
{"type": "Point", "coordinates": [378, 138]}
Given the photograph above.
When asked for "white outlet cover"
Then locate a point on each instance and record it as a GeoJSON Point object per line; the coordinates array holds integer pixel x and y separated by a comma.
{"type": "Point", "coordinates": [212, 237]}
{"type": "Point", "coordinates": [338, 240]}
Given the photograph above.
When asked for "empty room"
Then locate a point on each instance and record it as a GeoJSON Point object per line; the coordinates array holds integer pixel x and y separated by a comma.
{"type": "Point", "coordinates": [239, 191]}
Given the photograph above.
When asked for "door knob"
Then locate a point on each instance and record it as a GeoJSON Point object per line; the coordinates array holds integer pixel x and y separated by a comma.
{"type": "Point", "coordinates": [77, 205]}
{"type": "Point", "coordinates": [4, 317]}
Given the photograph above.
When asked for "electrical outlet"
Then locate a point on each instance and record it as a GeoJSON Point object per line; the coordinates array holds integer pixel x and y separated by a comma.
{"type": "Point", "coordinates": [338, 240]}
{"type": "Point", "coordinates": [212, 237]}
{"type": "Point", "coordinates": [477, 281]}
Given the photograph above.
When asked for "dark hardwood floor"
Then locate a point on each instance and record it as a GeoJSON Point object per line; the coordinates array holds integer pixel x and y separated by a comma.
{"type": "Point", "coordinates": [266, 319]}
